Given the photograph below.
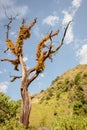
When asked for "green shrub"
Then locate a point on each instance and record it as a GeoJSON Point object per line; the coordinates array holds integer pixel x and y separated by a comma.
{"type": "Point", "coordinates": [77, 78]}
{"type": "Point", "coordinates": [55, 80]}
{"type": "Point", "coordinates": [48, 97]}
{"type": "Point", "coordinates": [77, 107]}
{"type": "Point", "coordinates": [8, 108]}
{"type": "Point", "coordinates": [70, 123]}
{"type": "Point", "coordinates": [14, 125]}
{"type": "Point", "coordinates": [55, 113]}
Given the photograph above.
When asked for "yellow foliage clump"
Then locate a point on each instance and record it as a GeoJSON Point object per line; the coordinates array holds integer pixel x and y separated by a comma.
{"type": "Point", "coordinates": [41, 55]}
{"type": "Point", "coordinates": [41, 59]}
{"type": "Point", "coordinates": [41, 45]}
{"type": "Point", "coordinates": [16, 63]}
{"type": "Point", "coordinates": [11, 46]}
{"type": "Point", "coordinates": [24, 31]}
{"type": "Point", "coordinates": [40, 67]}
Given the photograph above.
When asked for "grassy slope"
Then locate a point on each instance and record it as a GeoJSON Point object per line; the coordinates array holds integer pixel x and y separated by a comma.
{"type": "Point", "coordinates": [65, 94]}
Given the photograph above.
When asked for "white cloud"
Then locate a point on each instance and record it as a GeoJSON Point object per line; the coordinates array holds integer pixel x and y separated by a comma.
{"type": "Point", "coordinates": [3, 87]}
{"type": "Point", "coordinates": [25, 59]}
{"type": "Point", "coordinates": [5, 3]}
{"type": "Point", "coordinates": [69, 16]}
{"type": "Point", "coordinates": [12, 8]}
{"type": "Point", "coordinates": [78, 43]}
{"type": "Point", "coordinates": [21, 10]}
{"type": "Point", "coordinates": [42, 75]}
{"type": "Point", "coordinates": [82, 54]}
{"type": "Point", "coordinates": [76, 3]}
{"type": "Point", "coordinates": [13, 33]}
{"type": "Point", "coordinates": [2, 71]}
{"type": "Point", "coordinates": [51, 20]}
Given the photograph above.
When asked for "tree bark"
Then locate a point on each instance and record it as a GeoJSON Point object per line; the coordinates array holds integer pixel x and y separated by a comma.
{"type": "Point", "coordinates": [25, 107]}
{"type": "Point", "coordinates": [26, 99]}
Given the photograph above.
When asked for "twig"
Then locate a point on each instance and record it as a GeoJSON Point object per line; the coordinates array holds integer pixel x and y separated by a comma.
{"type": "Point", "coordinates": [8, 26]}
{"type": "Point", "coordinates": [62, 41]}
{"type": "Point", "coordinates": [14, 78]}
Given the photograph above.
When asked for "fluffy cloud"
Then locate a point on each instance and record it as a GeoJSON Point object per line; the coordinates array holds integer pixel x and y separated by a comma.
{"type": "Point", "coordinates": [51, 20]}
{"type": "Point", "coordinates": [42, 75]}
{"type": "Point", "coordinates": [69, 16]}
{"type": "Point", "coordinates": [25, 59]}
{"type": "Point", "coordinates": [2, 71]}
{"type": "Point", "coordinates": [82, 54]}
{"type": "Point", "coordinates": [5, 3]}
{"type": "Point", "coordinates": [76, 3]}
{"type": "Point", "coordinates": [11, 8]}
{"type": "Point", "coordinates": [3, 87]}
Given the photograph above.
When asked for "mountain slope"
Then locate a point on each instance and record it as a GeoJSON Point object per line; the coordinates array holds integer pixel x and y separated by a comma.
{"type": "Point", "coordinates": [67, 95]}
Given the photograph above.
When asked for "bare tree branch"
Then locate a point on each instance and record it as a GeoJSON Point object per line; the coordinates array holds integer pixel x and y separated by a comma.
{"type": "Point", "coordinates": [29, 71]}
{"type": "Point", "coordinates": [62, 41]}
{"type": "Point", "coordinates": [14, 62]}
{"type": "Point", "coordinates": [32, 23]}
{"type": "Point", "coordinates": [8, 27]}
{"type": "Point", "coordinates": [14, 78]}
{"type": "Point", "coordinates": [33, 77]}
{"type": "Point", "coordinates": [50, 52]}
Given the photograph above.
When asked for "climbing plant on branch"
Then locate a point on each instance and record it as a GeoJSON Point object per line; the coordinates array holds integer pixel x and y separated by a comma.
{"type": "Point", "coordinates": [44, 51]}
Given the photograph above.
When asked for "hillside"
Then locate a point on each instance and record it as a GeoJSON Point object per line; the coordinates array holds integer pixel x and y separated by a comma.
{"type": "Point", "coordinates": [67, 95]}
{"type": "Point", "coordinates": [68, 80]}
{"type": "Point", "coordinates": [63, 106]}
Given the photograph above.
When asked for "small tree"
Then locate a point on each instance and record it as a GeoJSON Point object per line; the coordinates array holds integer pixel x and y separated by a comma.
{"type": "Point", "coordinates": [43, 53]}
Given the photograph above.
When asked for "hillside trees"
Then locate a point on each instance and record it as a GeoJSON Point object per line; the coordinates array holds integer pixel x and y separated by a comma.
{"type": "Point", "coordinates": [8, 108]}
{"type": "Point", "coordinates": [43, 52]}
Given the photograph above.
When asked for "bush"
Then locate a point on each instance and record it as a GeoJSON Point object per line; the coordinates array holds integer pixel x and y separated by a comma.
{"type": "Point", "coordinates": [55, 113]}
{"type": "Point", "coordinates": [70, 123]}
{"type": "Point", "coordinates": [8, 108]}
{"type": "Point", "coordinates": [77, 78]}
{"type": "Point", "coordinates": [14, 124]}
{"type": "Point", "coordinates": [77, 107]}
{"type": "Point", "coordinates": [48, 97]}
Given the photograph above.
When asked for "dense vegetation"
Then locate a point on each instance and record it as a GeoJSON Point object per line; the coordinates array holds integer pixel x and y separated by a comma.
{"type": "Point", "coordinates": [63, 106]}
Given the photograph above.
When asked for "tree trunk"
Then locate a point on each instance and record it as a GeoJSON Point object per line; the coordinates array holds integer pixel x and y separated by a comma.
{"type": "Point", "coordinates": [25, 107]}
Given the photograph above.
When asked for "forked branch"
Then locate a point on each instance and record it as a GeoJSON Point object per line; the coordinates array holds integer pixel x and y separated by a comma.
{"type": "Point", "coordinates": [42, 55]}
{"type": "Point", "coordinates": [14, 62]}
{"type": "Point", "coordinates": [14, 78]}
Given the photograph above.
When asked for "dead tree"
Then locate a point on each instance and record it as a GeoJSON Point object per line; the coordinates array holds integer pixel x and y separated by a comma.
{"type": "Point", "coordinates": [43, 53]}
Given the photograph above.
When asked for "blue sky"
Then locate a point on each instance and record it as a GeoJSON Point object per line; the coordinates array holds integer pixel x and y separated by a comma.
{"type": "Point", "coordinates": [51, 14]}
